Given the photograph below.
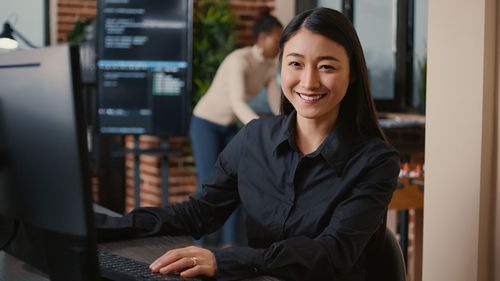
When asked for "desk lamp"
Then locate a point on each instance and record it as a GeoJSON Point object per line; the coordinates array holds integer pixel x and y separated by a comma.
{"type": "Point", "coordinates": [7, 40]}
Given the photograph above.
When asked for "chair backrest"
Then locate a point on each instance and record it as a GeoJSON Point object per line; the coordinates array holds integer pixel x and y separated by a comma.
{"type": "Point", "coordinates": [388, 264]}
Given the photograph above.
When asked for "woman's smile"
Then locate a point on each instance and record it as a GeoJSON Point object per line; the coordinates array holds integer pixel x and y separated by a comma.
{"type": "Point", "coordinates": [310, 98]}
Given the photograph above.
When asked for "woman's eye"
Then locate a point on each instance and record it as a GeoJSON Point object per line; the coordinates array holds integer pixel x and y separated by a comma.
{"type": "Point", "coordinates": [328, 67]}
{"type": "Point", "coordinates": [294, 63]}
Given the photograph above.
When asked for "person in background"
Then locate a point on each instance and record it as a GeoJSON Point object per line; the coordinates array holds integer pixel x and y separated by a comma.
{"type": "Point", "coordinates": [241, 76]}
{"type": "Point", "coordinates": [314, 183]}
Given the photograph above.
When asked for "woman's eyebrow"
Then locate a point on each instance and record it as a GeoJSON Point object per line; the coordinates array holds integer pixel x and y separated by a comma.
{"type": "Point", "coordinates": [328, 58]}
{"type": "Point", "coordinates": [295, 55]}
{"type": "Point", "coordinates": [318, 58]}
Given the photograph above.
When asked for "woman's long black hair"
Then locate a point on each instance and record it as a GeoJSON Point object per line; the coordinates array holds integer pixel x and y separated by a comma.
{"type": "Point", "coordinates": [357, 114]}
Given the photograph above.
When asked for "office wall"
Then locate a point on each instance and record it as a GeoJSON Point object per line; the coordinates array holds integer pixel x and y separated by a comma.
{"type": "Point", "coordinates": [285, 10]}
{"type": "Point", "coordinates": [245, 10]}
{"type": "Point", "coordinates": [461, 141]}
{"type": "Point", "coordinates": [29, 22]}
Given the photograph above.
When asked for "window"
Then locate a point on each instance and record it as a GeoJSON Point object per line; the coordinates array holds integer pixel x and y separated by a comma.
{"type": "Point", "coordinates": [333, 4]}
{"type": "Point", "coordinates": [375, 22]}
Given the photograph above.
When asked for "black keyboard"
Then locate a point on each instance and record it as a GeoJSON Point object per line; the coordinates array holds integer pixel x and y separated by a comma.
{"type": "Point", "coordinates": [115, 267]}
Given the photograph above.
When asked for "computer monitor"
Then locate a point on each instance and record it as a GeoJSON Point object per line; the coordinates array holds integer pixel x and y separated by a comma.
{"type": "Point", "coordinates": [144, 66]}
{"type": "Point", "coordinates": [44, 175]}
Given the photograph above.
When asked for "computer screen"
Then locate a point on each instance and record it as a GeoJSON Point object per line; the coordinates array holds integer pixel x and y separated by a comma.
{"type": "Point", "coordinates": [44, 178]}
{"type": "Point", "coordinates": [144, 66]}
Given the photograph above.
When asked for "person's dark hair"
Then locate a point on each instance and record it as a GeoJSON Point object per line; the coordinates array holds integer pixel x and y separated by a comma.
{"type": "Point", "coordinates": [264, 22]}
{"type": "Point", "coordinates": [357, 114]}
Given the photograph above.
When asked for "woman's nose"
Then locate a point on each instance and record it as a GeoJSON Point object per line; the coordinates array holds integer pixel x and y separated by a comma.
{"type": "Point", "coordinates": [310, 78]}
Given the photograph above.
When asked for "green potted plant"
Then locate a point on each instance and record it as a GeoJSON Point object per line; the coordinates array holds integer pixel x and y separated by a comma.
{"type": "Point", "coordinates": [212, 42]}
{"type": "Point", "coordinates": [78, 33]}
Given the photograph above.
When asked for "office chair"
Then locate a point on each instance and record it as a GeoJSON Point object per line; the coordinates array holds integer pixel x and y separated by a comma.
{"type": "Point", "coordinates": [388, 264]}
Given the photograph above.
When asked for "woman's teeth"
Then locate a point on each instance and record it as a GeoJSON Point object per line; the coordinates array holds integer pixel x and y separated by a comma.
{"type": "Point", "coordinates": [311, 98]}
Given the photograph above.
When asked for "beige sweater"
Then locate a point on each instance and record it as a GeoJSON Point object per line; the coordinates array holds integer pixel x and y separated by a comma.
{"type": "Point", "coordinates": [240, 77]}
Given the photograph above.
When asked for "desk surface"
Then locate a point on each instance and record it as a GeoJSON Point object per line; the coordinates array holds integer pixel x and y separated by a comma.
{"type": "Point", "coordinates": [12, 269]}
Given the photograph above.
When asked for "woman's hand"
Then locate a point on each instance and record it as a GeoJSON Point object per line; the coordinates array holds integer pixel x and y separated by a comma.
{"type": "Point", "coordinates": [190, 261]}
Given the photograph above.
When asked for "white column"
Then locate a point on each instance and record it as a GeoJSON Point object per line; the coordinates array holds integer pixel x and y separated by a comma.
{"type": "Point", "coordinates": [460, 140]}
{"type": "Point", "coordinates": [285, 10]}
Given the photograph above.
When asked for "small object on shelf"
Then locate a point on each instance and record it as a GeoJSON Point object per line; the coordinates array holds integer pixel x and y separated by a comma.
{"type": "Point", "coordinates": [416, 173]}
{"type": "Point", "coordinates": [404, 170]}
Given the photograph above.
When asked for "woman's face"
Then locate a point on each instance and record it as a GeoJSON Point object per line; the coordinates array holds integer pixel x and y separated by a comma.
{"type": "Point", "coordinates": [269, 42]}
{"type": "Point", "coordinates": [314, 75]}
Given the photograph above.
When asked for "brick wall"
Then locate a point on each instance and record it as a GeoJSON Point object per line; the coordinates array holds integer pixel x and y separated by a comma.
{"type": "Point", "coordinates": [245, 10]}
{"type": "Point", "coordinates": [69, 11]}
{"type": "Point", "coordinates": [182, 176]}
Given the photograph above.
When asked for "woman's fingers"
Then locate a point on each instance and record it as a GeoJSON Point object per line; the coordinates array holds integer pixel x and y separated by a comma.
{"type": "Point", "coordinates": [159, 262]}
{"type": "Point", "coordinates": [190, 261]}
{"type": "Point", "coordinates": [171, 261]}
{"type": "Point", "coordinates": [168, 258]}
{"type": "Point", "coordinates": [177, 266]}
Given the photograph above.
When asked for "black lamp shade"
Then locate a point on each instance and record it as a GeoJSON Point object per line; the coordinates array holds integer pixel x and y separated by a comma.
{"type": "Point", "coordinates": [7, 40]}
{"type": "Point", "coordinates": [7, 31]}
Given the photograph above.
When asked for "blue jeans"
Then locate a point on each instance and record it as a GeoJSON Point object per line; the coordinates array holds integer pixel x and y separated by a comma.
{"type": "Point", "coordinates": [208, 140]}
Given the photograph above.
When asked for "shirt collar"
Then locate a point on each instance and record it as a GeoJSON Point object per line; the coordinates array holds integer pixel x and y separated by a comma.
{"type": "Point", "coordinates": [285, 133]}
{"type": "Point", "coordinates": [334, 149]}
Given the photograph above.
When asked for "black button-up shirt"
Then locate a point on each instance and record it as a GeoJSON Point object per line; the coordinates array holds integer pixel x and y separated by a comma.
{"type": "Point", "coordinates": [307, 217]}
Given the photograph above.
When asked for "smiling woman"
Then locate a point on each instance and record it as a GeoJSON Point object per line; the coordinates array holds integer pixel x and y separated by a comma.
{"type": "Point", "coordinates": [313, 183]}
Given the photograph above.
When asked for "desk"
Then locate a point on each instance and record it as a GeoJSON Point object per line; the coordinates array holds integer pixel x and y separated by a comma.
{"type": "Point", "coordinates": [408, 195]}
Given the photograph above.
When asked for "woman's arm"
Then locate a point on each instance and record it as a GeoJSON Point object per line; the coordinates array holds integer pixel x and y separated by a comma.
{"type": "Point", "coordinates": [204, 213]}
{"type": "Point", "coordinates": [274, 95]}
{"type": "Point", "coordinates": [236, 68]}
{"type": "Point", "coordinates": [335, 253]}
